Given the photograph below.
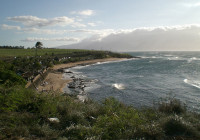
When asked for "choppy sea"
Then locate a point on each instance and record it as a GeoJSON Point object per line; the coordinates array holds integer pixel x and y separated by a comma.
{"type": "Point", "coordinates": [144, 81]}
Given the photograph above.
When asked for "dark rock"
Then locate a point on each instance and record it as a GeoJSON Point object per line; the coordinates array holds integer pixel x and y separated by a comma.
{"type": "Point", "coordinates": [60, 70]}
{"type": "Point", "coordinates": [68, 72]}
{"type": "Point", "coordinates": [72, 77]}
{"type": "Point", "coordinates": [72, 85]}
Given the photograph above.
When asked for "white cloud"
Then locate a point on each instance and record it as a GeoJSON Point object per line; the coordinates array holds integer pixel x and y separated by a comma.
{"type": "Point", "coordinates": [65, 39]}
{"type": "Point", "coordinates": [77, 24]}
{"type": "Point", "coordinates": [9, 27]}
{"type": "Point", "coordinates": [92, 24]}
{"type": "Point", "coordinates": [32, 30]}
{"type": "Point", "coordinates": [84, 12]}
{"type": "Point", "coordinates": [191, 5]}
{"type": "Point", "coordinates": [166, 38]}
{"type": "Point", "coordinates": [42, 31]}
{"type": "Point", "coordinates": [33, 21]}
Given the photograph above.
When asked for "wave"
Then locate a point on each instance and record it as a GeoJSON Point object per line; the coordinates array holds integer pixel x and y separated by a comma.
{"type": "Point", "coordinates": [192, 83]}
{"type": "Point", "coordinates": [118, 86]}
{"type": "Point", "coordinates": [165, 57]}
{"type": "Point", "coordinates": [80, 66]}
{"type": "Point", "coordinates": [172, 58]}
{"type": "Point", "coordinates": [115, 61]}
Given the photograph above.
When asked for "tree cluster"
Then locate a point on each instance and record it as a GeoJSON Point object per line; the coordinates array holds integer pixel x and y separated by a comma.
{"type": "Point", "coordinates": [11, 47]}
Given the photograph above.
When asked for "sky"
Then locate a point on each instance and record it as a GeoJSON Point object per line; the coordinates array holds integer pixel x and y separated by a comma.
{"type": "Point", "coordinates": [128, 25]}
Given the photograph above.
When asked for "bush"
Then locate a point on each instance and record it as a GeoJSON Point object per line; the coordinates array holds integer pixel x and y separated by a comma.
{"type": "Point", "coordinates": [117, 121]}
{"type": "Point", "coordinates": [172, 105]}
{"type": "Point", "coordinates": [24, 114]}
{"type": "Point", "coordinates": [10, 78]}
{"type": "Point", "coordinates": [175, 126]}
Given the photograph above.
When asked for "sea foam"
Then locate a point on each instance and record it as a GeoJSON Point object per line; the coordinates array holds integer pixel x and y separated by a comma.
{"type": "Point", "coordinates": [118, 86]}
{"type": "Point", "coordinates": [192, 83]}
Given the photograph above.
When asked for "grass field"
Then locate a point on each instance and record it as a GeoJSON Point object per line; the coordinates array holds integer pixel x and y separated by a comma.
{"type": "Point", "coordinates": [32, 52]}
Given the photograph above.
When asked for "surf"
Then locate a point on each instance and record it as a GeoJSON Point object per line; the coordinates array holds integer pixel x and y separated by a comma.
{"type": "Point", "coordinates": [118, 86]}
{"type": "Point", "coordinates": [192, 83]}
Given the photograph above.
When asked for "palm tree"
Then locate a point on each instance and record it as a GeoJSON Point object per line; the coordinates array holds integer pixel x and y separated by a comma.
{"type": "Point", "coordinates": [38, 45]}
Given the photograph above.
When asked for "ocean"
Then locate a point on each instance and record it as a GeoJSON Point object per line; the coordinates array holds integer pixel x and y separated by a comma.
{"type": "Point", "coordinates": [147, 80]}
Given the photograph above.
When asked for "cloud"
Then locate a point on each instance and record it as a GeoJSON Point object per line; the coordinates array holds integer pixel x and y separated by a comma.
{"type": "Point", "coordinates": [191, 5]}
{"type": "Point", "coordinates": [42, 31]}
{"type": "Point", "coordinates": [77, 24]}
{"type": "Point", "coordinates": [84, 12]}
{"type": "Point", "coordinates": [9, 27]}
{"type": "Point", "coordinates": [164, 38]}
{"type": "Point", "coordinates": [92, 24]}
{"type": "Point", "coordinates": [33, 21]}
{"type": "Point", "coordinates": [34, 30]}
{"type": "Point", "coordinates": [66, 39]}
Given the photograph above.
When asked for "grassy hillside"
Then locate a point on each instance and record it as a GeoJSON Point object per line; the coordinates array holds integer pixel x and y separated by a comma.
{"type": "Point", "coordinates": [41, 52]}
{"type": "Point", "coordinates": [25, 114]}
{"type": "Point", "coordinates": [30, 62]}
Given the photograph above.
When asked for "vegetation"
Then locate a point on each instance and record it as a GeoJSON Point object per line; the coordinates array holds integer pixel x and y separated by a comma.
{"type": "Point", "coordinates": [30, 62]}
{"type": "Point", "coordinates": [11, 47]}
{"type": "Point", "coordinates": [11, 53]}
{"type": "Point", "coordinates": [25, 114]}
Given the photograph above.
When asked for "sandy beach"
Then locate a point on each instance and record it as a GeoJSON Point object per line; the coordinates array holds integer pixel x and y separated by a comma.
{"type": "Point", "coordinates": [55, 81]}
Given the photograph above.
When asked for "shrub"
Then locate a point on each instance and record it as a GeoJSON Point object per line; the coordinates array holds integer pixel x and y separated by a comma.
{"type": "Point", "coordinates": [175, 126]}
{"type": "Point", "coordinates": [24, 114]}
{"type": "Point", "coordinates": [10, 78]}
{"type": "Point", "coordinates": [172, 106]}
{"type": "Point", "coordinates": [117, 121]}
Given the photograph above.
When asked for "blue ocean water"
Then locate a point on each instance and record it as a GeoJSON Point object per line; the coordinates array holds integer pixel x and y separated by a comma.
{"type": "Point", "coordinates": [141, 82]}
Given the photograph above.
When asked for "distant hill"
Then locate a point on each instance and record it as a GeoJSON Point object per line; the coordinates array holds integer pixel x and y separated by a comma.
{"type": "Point", "coordinates": [145, 39]}
{"type": "Point", "coordinates": [84, 45]}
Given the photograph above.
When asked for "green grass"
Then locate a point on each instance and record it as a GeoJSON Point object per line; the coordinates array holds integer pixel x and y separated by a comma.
{"type": "Point", "coordinates": [41, 52]}
{"type": "Point", "coordinates": [24, 115]}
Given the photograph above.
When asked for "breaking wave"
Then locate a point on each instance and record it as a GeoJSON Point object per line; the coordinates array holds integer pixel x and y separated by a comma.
{"type": "Point", "coordinates": [118, 86]}
{"type": "Point", "coordinates": [192, 83]}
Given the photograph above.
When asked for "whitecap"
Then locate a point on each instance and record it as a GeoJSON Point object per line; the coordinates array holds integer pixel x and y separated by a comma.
{"type": "Point", "coordinates": [192, 83]}
{"type": "Point", "coordinates": [194, 58]}
{"type": "Point", "coordinates": [185, 80]}
{"type": "Point", "coordinates": [118, 86]}
{"type": "Point", "coordinates": [169, 55]}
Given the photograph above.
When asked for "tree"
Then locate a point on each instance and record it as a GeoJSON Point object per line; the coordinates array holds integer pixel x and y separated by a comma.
{"type": "Point", "coordinates": [38, 45]}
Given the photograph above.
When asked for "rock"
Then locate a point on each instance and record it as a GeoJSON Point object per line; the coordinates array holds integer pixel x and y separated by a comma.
{"type": "Point", "coordinates": [72, 85]}
{"type": "Point", "coordinates": [60, 70]}
{"type": "Point", "coordinates": [68, 72]}
{"type": "Point", "coordinates": [72, 77]}
{"type": "Point", "coordinates": [54, 120]}
{"type": "Point", "coordinates": [82, 98]}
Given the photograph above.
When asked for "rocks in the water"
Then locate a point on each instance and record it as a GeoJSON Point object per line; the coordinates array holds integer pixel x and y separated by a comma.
{"type": "Point", "coordinates": [77, 83]}
{"type": "Point", "coordinates": [72, 85]}
{"type": "Point", "coordinates": [68, 72]}
{"type": "Point", "coordinates": [77, 86]}
{"type": "Point", "coordinates": [72, 77]}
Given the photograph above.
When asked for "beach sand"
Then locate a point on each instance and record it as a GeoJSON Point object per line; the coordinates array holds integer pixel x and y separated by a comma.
{"type": "Point", "coordinates": [55, 81]}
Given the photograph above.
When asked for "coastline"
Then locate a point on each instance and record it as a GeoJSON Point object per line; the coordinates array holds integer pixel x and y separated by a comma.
{"type": "Point", "coordinates": [54, 81]}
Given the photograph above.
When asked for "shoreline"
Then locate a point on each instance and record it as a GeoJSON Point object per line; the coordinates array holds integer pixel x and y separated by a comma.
{"type": "Point", "coordinates": [54, 81]}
